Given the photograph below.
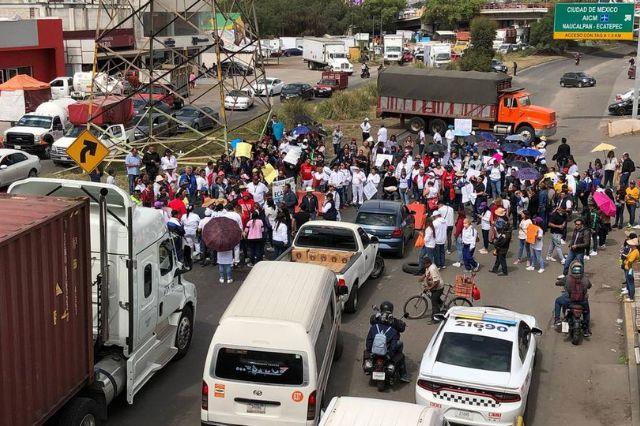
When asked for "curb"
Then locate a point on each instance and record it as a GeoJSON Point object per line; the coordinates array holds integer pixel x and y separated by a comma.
{"type": "Point", "coordinates": [630, 339]}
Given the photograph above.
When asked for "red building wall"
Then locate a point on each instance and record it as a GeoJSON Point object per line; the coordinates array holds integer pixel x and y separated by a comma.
{"type": "Point", "coordinates": [46, 59]}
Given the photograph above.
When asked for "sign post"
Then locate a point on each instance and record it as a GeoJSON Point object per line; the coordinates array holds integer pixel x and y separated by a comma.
{"type": "Point", "coordinates": [593, 21]}
{"type": "Point", "coordinates": [87, 151]}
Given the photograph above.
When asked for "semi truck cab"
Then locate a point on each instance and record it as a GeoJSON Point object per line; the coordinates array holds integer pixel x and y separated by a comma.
{"type": "Point", "coordinates": [516, 114]}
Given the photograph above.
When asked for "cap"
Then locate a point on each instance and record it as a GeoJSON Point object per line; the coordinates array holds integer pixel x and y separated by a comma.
{"type": "Point", "coordinates": [309, 189]}
{"type": "Point", "coordinates": [450, 126]}
{"type": "Point", "coordinates": [208, 202]}
{"type": "Point", "coordinates": [543, 138]}
{"type": "Point", "coordinates": [366, 119]}
{"type": "Point", "coordinates": [541, 145]}
{"type": "Point", "coordinates": [159, 178]}
{"type": "Point", "coordinates": [632, 242]}
{"type": "Point", "coordinates": [435, 213]}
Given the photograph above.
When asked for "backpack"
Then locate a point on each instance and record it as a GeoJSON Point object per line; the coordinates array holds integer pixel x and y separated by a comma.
{"type": "Point", "coordinates": [379, 346]}
{"type": "Point", "coordinates": [576, 290]}
{"type": "Point", "coordinates": [532, 233]}
{"type": "Point", "coordinates": [332, 213]}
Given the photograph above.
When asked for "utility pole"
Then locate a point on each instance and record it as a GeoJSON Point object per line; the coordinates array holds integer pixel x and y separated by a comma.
{"type": "Point", "coordinates": [636, 84]}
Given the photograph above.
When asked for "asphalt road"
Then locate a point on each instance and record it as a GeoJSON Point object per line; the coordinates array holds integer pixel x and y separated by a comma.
{"type": "Point", "coordinates": [585, 385]}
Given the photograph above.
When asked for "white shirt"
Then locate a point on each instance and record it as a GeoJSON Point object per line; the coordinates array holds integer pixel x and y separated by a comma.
{"type": "Point", "coordinates": [429, 238]}
{"type": "Point", "coordinates": [234, 216]}
{"type": "Point", "coordinates": [190, 221]}
{"type": "Point", "coordinates": [168, 163]}
{"type": "Point", "coordinates": [496, 172]}
{"type": "Point", "coordinates": [449, 135]}
{"type": "Point", "coordinates": [486, 221]}
{"type": "Point", "coordinates": [365, 126]}
{"type": "Point", "coordinates": [539, 242]}
{"type": "Point", "coordinates": [469, 236]}
{"type": "Point", "coordinates": [522, 229]}
{"type": "Point", "coordinates": [359, 178]}
{"type": "Point", "coordinates": [374, 179]}
{"type": "Point", "coordinates": [280, 233]}
{"type": "Point", "coordinates": [440, 225]}
{"type": "Point", "coordinates": [111, 180]}
{"type": "Point", "coordinates": [257, 191]}
{"type": "Point", "coordinates": [346, 176]}
{"type": "Point", "coordinates": [335, 179]}
{"type": "Point", "coordinates": [437, 137]}
{"type": "Point", "coordinates": [201, 182]}
{"type": "Point", "coordinates": [447, 213]}
{"type": "Point", "coordinates": [609, 164]}
{"type": "Point", "coordinates": [382, 134]}
{"type": "Point", "coordinates": [422, 137]}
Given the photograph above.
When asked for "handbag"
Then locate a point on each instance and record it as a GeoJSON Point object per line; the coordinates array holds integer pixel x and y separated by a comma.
{"type": "Point", "coordinates": [419, 240]}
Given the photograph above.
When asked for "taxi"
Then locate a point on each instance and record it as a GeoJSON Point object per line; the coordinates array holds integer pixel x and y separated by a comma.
{"type": "Point", "coordinates": [477, 368]}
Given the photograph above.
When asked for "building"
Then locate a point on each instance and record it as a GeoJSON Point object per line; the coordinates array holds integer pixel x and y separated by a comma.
{"type": "Point", "coordinates": [33, 47]}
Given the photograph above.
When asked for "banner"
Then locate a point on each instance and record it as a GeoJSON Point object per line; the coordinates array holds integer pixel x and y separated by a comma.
{"type": "Point", "coordinates": [243, 149]}
{"type": "Point", "coordinates": [277, 188]}
{"type": "Point", "coordinates": [381, 157]}
{"type": "Point", "coordinates": [269, 173]}
{"type": "Point", "coordinates": [293, 155]}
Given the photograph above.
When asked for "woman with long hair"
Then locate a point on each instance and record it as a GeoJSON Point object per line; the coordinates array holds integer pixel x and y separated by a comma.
{"type": "Point", "coordinates": [610, 166]}
{"type": "Point", "coordinates": [280, 234]}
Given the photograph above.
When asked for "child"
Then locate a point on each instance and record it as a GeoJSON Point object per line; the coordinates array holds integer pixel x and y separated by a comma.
{"type": "Point", "coordinates": [111, 176]}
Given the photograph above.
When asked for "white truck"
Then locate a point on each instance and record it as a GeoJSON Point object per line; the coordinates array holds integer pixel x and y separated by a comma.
{"type": "Point", "coordinates": [437, 55]}
{"type": "Point", "coordinates": [393, 48]}
{"type": "Point", "coordinates": [326, 54]}
{"type": "Point", "coordinates": [112, 137]}
{"type": "Point", "coordinates": [36, 131]}
{"type": "Point", "coordinates": [143, 309]}
{"type": "Point", "coordinates": [345, 248]}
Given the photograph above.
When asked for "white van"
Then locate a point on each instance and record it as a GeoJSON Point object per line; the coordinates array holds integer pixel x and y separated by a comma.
{"type": "Point", "coordinates": [352, 411]}
{"type": "Point", "coordinates": [270, 357]}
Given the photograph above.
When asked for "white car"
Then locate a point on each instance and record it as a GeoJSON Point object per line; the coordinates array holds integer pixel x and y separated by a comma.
{"type": "Point", "coordinates": [478, 366]}
{"type": "Point", "coordinates": [239, 99]}
{"type": "Point", "coordinates": [268, 87]}
{"type": "Point", "coordinates": [17, 165]}
{"type": "Point", "coordinates": [624, 96]}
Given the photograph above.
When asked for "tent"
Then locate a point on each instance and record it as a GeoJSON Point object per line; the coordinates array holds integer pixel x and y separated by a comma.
{"type": "Point", "coordinates": [21, 94]}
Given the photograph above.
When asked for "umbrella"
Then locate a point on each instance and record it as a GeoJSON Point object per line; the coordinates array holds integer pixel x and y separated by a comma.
{"type": "Point", "coordinates": [603, 147]}
{"type": "Point", "coordinates": [604, 203]}
{"type": "Point", "coordinates": [521, 164]}
{"type": "Point", "coordinates": [302, 119]}
{"type": "Point", "coordinates": [487, 136]}
{"type": "Point", "coordinates": [515, 138]}
{"type": "Point", "coordinates": [528, 152]}
{"type": "Point", "coordinates": [300, 130]}
{"type": "Point", "coordinates": [221, 234]}
{"type": "Point", "coordinates": [527, 173]}
{"type": "Point", "coordinates": [510, 148]}
{"type": "Point", "coordinates": [488, 145]}
{"type": "Point", "coordinates": [434, 147]}
{"type": "Point", "coordinates": [469, 138]}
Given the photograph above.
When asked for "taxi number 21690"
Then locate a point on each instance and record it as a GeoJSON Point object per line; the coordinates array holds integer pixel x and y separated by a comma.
{"type": "Point", "coordinates": [480, 325]}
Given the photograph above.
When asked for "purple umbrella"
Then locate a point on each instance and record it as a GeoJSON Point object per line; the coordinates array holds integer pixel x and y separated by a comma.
{"type": "Point", "coordinates": [527, 174]}
{"type": "Point", "coordinates": [510, 148]}
{"type": "Point", "coordinates": [221, 234]}
{"type": "Point", "coordinates": [488, 145]}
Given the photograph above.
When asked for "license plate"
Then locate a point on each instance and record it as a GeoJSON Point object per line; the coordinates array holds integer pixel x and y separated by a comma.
{"type": "Point", "coordinates": [565, 327]}
{"type": "Point", "coordinates": [378, 376]}
{"type": "Point", "coordinates": [17, 147]}
{"type": "Point", "coordinates": [256, 408]}
{"type": "Point", "coordinates": [463, 414]}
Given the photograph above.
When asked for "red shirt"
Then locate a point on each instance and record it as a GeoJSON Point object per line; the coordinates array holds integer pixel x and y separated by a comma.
{"type": "Point", "coordinates": [178, 205]}
{"type": "Point", "coordinates": [306, 171]}
{"type": "Point", "coordinates": [247, 207]}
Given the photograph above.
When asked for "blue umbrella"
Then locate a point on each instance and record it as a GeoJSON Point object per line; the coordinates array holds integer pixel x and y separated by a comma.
{"type": "Point", "coordinates": [487, 136]}
{"type": "Point", "coordinates": [510, 148]}
{"type": "Point", "coordinates": [527, 174]}
{"type": "Point", "coordinates": [516, 138]}
{"type": "Point", "coordinates": [528, 152]}
{"type": "Point", "coordinates": [300, 130]}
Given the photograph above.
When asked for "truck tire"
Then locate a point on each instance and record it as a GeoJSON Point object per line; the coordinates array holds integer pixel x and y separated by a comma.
{"type": "Point", "coordinates": [416, 124]}
{"type": "Point", "coordinates": [527, 133]}
{"type": "Point", "coordinates": [411, 268]}
{"type": "Point", "coordinates": [378, 268]}
{"type": "Point", "coordinates": [184, 333]}
{"type": "Point", "coordinates": [437, 124]}
{"type": "Point", "coordinates": [80, 412]}
{"type": "Point", "coordinates": [352, 302]}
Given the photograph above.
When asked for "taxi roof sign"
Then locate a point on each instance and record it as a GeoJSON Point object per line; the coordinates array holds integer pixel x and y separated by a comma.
{"type": "Point", "coordinates": [87, 151]}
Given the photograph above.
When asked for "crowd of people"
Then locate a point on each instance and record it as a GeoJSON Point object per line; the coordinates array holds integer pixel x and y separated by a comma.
{"type": "Point", "coordinates": [478, 191]}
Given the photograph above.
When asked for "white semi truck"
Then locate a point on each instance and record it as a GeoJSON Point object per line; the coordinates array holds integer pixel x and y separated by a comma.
{"type": "Point", "coordinates": [326, 54]}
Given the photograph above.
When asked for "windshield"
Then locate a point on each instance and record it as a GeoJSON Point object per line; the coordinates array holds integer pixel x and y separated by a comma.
{"type": "Point", "coordinates": [188, 112]}
{"type": "Point", "coordinates": [443, 57]}
{"type": "Point", "coordinates": [35, 121]}
{"type": "Point", "coordinates": [376, 219]}
{"type": "Point", "coordinates": [327, 82]}
{"type": "Point", "coordinates": [291, 88]}
{"type": "Point", "coordinates": [338, 55]}
{"type": "Point", "coordinates": [394, 48]}
{"type": "Point", "coordinates": [158, 90]}
{"type": "Point", "coordinates": [238, 93]}
{"type": "Point", "coordinates": [475, 351]}
{"type": "Point", "coordinates": [75, 131]}
{"type": "Point", "coordinates": [581, 74]}
{"type": "Point", "coordinates": [266, 82]}
{"type": "Point", "coordinates": [260, 366]}
{"type": "Point", "coordinates": [524, 101]}
{"type": "Point", "coordinates": [326, 237]}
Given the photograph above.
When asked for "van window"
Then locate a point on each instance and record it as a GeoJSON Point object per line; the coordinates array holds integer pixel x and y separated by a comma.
{"type": "Point", "coordinates": [247, 365]}
{"type": "Point", "coordinates": [148, 278]}
{"type": "Point", "coordinates": [326, 237]}
{"type": "Point", "coordinates": [166, 257]}
{"type": "Point", "coordinates": [323, 335]}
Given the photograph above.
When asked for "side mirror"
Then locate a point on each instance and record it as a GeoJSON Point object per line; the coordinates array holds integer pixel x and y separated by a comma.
{"type": "Point", "coordinates": [374, 240]}
{"type": "Point", "coordinates": [3, 167]}
{"type": "Point", "coordinates": [536, 331]}
{"type": "Point", "coordinates": [439, 317]}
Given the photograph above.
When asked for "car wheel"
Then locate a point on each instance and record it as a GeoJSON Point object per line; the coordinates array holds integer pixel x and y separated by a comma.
{"type": "Point", "coordinates": [438, 124]}
{"type": "Point", "coordinates": [402, 249]}
{"type": "Point", "coordinates": [82, 412]}
{"type": "Point", "coordinates": [620, 111]}
{"type": "Point", "coordinates": [562, 84]}
{"type": "Point", "coordinates": [580, 84]}
{"type": "Point", "coordinates": [184, 333]}
{"type": "Point", "coordinates": [352, 303]}
{"type": "Point", "coordinates": [33, 173]}
{"type": "Point", "coordinates": [378, 267]}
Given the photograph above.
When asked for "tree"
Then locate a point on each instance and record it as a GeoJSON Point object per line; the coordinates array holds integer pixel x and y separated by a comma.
{"type": "Point", "coordinates": [541, 35]}
{"type": "Point", "coordinates": [382, 10]}
{"type": "Point", "coordinates": [478, 56]}
{"type": "Point", "coordinates": [449, 13]}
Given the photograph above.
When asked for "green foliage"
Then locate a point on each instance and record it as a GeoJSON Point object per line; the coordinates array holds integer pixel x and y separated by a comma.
{"type": "Point", "coordinates": [478, 56]}
{"type": "Point", "coordinates": [541, 36]}
{"type": "Point", "coordinates": [349, 104]}
{"type": "Point", "coordinates": [387, 10]}
{"type": "Point", "coordinates": [447, 14]}
{"type": "Point", "coordinates": [291, 108]}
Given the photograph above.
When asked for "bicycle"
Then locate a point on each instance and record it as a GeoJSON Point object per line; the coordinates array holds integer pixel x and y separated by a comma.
{"type": "Point", "coordinates": [416, 307]}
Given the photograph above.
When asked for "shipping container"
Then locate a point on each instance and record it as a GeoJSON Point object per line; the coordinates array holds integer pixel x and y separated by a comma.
{"type": "Point", "coordinates": [46, 353]}
{"type": "Point", "coordinates": [102, 111]}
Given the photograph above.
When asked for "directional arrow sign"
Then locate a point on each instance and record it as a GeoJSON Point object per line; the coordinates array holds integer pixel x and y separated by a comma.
{"type": "Point", "coordinates": [87, 151]}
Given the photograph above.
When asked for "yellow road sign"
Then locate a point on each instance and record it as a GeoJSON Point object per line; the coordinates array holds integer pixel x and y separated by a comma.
{"type": "Point", "coordinates": [87, 151]}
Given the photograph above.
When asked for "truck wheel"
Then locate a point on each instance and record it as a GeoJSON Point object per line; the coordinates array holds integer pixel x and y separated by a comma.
{"type": "Point", "coordinates": [437, 124]}
{"type": "Point", "coordinates": [378, 267]}
{"type": "Point", "coordinates": [80, 412]}
{"type": "Point", "coordinates": [33, 173]}
{"type": "Point", "coordinates": [337, 353]}
{"type": "Point", "coordinates": [352, 303]}
{"type": "Point", "coordinates": [527, 133]}
{"type": "Point", "coordinates": [416, 124]}
{"type": "Point", "coordinates": [184, 333]}
{"type": "Point", "coordinates": [620, 111]}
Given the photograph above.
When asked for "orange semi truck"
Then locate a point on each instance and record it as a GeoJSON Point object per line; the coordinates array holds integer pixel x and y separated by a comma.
{"type": "Point", "coordinates": [432, 99]}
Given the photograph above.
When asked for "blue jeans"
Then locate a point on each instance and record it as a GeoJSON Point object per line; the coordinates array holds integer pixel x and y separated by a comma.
{"type": "Point", "coordinates": [404, 196]}
{"type": "Point", "coordinates": [555, 245]}
{"type": "Point", "coordinates": [536, 258]}
{"type": "Point", "coordinates": [631, 285]}
{"type": "Point", "coordinates": [425, 252]}
{"type": "Point", "coordinates": [278, 248]}
{"type": "Point", "coordinates": [524, 248]}
{"type": "Point", "coordinates": [467, 256]}
{"type": "Point", "coordinates": [624, 179]}
{"type": "Point", "coordinates": [459, 249]}
{"type": "Point", "coordinates": [564, 301]}
{"type": "Point", "coordinates": [224, 271]}
{"type": "Point", "coordinates": [132, 182]}
{"type": "Point", "coordinates": [571, 256]}
{"type": "Point", "coordinates": [439, 255]}
{"type": "Point", "coordinates": [631, 208]}
{"type": "Point", "coordinates": [495, 188]}
{"type": "Point", "coordinates": [619, 216]}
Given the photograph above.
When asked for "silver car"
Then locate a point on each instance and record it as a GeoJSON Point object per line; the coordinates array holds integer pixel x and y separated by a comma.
{"type": "Point", "coordinates": [17, 165]}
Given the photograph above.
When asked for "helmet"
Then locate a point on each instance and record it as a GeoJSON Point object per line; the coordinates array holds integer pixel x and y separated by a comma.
{"type": "Point", "coordinates": [576, 269]}
{"type": "Point", "coordinates": [386, 307]}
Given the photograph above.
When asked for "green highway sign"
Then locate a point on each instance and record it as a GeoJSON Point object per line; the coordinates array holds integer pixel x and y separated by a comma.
{"type": "Point", "coordinates": [593, 21]}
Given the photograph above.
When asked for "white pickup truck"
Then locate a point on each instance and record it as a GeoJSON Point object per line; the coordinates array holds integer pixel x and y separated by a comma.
{"type": "Point", "coordinates": [345, 248]}
{"type": "Point", "coordinates": [113, 136]}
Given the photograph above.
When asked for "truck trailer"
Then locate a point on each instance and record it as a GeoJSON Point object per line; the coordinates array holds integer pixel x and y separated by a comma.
{"type": "Point", "coordinates": [432, 99]}
{"type": "Point", "coordinates": [393, 44]}
{"type": "Point", "coordinates": [326, 54]}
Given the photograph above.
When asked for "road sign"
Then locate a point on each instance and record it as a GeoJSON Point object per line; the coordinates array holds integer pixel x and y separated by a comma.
{"type": "Point", "coordinates": [593, 21]}
{"type": "Point", "coordinates": [87, 151]}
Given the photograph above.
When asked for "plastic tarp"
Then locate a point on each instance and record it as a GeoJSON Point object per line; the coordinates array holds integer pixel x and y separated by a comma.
{"type": "Point", "coordinates": [467, 87]}
{"type": "Point", "coordinates": [21, 94]}
{"type": "Point", "coordinates": [12, 105]}
{"type": "Point", "coordinates": [105, 110]}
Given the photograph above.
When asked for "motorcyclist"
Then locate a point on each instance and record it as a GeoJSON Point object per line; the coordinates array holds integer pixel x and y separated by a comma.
{"type": "Point", "coordinates": [383, 321]}
{"type": "Point", "coordinates": [364, 70]}
{"type": "Point", "coordinates": [576, 286]}
{"type": "Point", "coordinates": [578, 56]}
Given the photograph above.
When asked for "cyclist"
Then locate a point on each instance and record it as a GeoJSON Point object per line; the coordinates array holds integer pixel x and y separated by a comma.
{"type": "Point", "coordinates": [432, 281]}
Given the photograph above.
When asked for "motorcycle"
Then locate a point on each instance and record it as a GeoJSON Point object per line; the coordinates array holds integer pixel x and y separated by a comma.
{"type": "Point", "coordinates": [578, 57]}
{"type": "Point", "coordinates": [365, 73]}
{"type": "Point", "coordinates": [573, 322]}
{"type": "Point", "coordinates": [382, 369]}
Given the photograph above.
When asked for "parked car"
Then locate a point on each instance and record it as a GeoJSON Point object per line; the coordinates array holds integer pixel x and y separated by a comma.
{"type": "Point", "coordinates": [239, 99]}
{"type": "Point", "coordinates": [390, 221]}
{"type": "Point", "coordinates": [165, 94]}
{"type": "Point", "coordinates": [498, 66]}
{"type": "Point", "coordinates": [577, 79]}
{"type": "Point", "coordinates": [196, 118]}
{"type": "Point", "coordinates": [296, 90]}
{"type": "Point", "coordinates": [162, 126]}
{"type": "Point", "coordinates": [268, 86]}
{"type": "Point", "coordinates": [140, 105]}
{"type": "Point", "coordinates": [506, 48]}
{"type": "Point", "coordinates": [231, 68]}
{"type": "Point", "coordinates": [623, 107]}
{"type": "Point", "coordinates": [294, 51]}
{"type": "Point", "coordinates": [17, 165]}
{"type": "Point", "coordinates": [624, 96]}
